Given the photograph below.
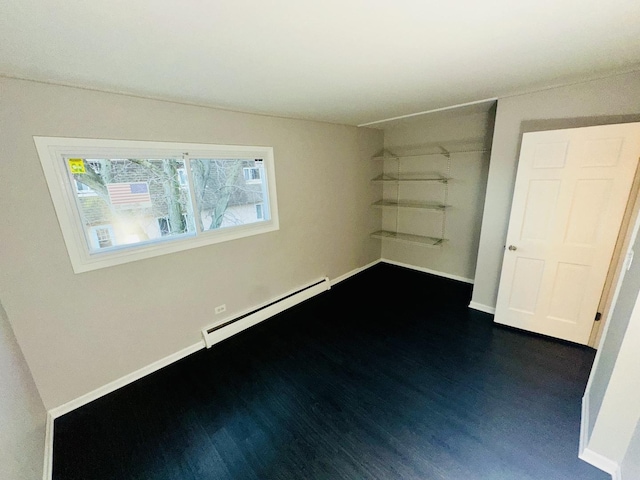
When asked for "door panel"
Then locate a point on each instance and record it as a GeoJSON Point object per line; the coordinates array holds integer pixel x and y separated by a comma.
{"type": "Point", "coordinates": [589, 206]}
{"type": "Point", "coordinates": [570, 195]}
{"type": "Point", "coordinates": [526, 270]}
{"type": "Point", "coordinates": [550, 155]}
{"type": "Point", "coordinates": [567, 292]}
{"type": "Point", "coordinates": [543, 196]}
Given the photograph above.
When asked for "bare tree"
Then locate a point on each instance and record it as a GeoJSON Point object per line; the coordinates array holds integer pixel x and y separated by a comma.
{"type": "Point", "coordinates": [215, 184]}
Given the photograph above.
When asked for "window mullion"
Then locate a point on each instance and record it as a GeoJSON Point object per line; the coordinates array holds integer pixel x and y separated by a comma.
{"type": "Point", "coordinates": [192, 193]}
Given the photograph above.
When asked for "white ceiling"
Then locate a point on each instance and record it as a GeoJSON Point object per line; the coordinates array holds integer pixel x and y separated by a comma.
{"type": "Point", "coordinates": [345, 61]}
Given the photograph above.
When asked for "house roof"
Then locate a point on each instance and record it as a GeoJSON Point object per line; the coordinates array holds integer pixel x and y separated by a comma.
{"type": "Point", "coordinates": [345, 61]}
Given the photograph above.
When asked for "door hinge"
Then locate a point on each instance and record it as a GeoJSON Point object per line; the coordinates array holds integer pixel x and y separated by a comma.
{"type": "Point", "coordinates": [598, 316]}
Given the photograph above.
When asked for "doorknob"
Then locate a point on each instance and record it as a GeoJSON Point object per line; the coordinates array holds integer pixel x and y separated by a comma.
{"type": "Point", "coordinates": [512, 247]}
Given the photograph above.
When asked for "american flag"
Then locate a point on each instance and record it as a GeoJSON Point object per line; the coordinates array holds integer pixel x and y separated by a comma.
{"type": "Point", "coordinates": [134, 194]}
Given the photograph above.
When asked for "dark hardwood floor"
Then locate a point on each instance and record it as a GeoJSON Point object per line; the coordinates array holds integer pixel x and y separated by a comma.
{"type": "Point", "coordinates": [389, 375]}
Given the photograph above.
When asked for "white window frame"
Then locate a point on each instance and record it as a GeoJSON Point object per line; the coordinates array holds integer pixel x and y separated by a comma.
{"type": "Point", "coordinates": [53, 152]}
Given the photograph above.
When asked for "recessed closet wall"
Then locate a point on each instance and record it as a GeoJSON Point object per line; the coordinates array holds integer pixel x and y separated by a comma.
{"type": "Point", "coordinates": [453, 144]}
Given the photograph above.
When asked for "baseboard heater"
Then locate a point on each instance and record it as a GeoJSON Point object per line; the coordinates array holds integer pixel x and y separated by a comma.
{"type": "Point", "coordinates": [227, 328]}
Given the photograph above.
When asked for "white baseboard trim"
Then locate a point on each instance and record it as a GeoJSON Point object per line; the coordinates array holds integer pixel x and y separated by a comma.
{"type": "Point", "coordinates": [603, 463]}
{"type": "Point", "coordinates": [427, 270]}
{"type": "Point", "coordinates": [589, 456]}
{"type": "Point", "coordinates": [125, 380]}
{"type": "Point", "coordinates": [100, 392]}
{"type": "Point", "coordinates": [482, 308]}
{"type": "Point", "coordinates": [584, 423]}
{"type": "Point", "coordinates": [47, 470]}
{"type": "Point", "coordinates": [353, 272]}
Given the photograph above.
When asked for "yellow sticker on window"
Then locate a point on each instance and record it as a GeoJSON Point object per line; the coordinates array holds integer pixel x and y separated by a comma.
{"type": "Point", "coordinates": [76, 165]}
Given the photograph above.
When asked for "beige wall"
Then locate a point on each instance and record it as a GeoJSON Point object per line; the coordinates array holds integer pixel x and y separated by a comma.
{"type": "Point", "coordinates": [460, 129]}
{"type": "Point", "coordinates": [611, 100]}
{"type": "Point", "coordinates": [22, 414]}
{"type": "Point", "coordinates": [80, 332]}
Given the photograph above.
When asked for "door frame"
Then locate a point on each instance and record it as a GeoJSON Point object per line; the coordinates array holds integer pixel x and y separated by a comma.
{"type": "Point", "coordinates": [618, 260]}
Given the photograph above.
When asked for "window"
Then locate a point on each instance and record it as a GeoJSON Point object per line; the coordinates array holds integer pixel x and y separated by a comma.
{"type": "Point", "coordinates": [120, 201]}
{"type": "Point", "coordinates": [251, 174]}
{"type": "Point", "coordinates": [164, 223]}
{"type": "Point", "coordinates": [182, 177]}
{"type": "Point", "coordinates": [102, 236]}
{"type": "Point", "coordinates": [83, 190]}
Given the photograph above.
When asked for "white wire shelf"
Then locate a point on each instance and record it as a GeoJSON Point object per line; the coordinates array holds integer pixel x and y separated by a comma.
{"type": "Point", "coordinates": [408, 238]}
{"type": "Point", "coordinates": [416, 178]}
{"type": "Point", "coordinates": [409, 204]}
{"type": "Point", "coordinates": [392, 156]}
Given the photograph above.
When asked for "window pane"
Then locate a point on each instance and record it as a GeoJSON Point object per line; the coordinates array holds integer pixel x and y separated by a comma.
{"type": "Point", "coordinates": [104, 237]}
{"type": "Point", "coordinates": [132, 201]}
{"type": "Point", "coordinates": [227, 192]}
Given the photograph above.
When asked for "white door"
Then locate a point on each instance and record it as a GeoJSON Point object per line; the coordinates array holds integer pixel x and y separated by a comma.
{"type": "Point", "coordinates": [570, 195]}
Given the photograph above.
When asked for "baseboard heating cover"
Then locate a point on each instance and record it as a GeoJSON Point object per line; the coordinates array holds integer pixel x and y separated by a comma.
{"type": "Point", "coordinates": [227, 328]}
